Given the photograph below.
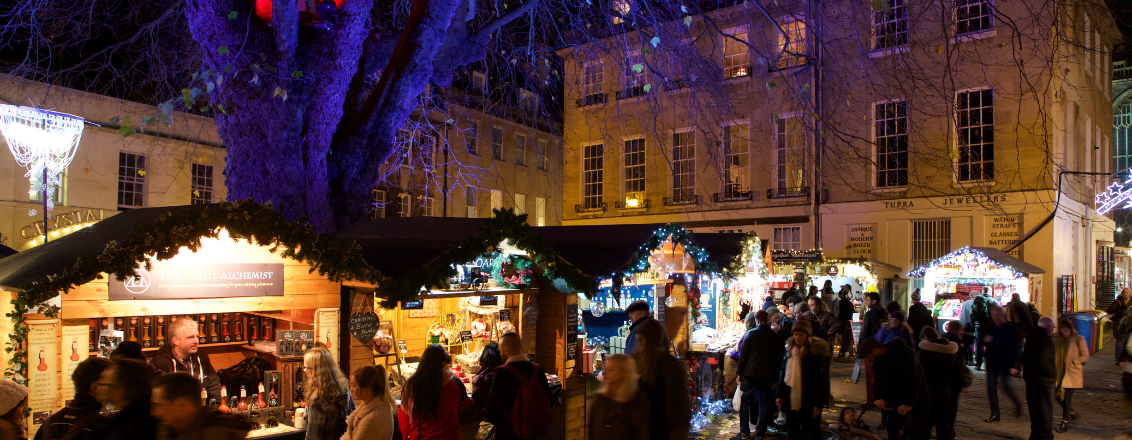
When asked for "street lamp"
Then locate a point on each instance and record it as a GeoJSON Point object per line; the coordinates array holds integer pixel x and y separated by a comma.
{"type": "Point", "coordinates": [44, 142]}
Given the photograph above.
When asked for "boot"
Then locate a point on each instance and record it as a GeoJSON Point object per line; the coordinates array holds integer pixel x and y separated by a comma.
{"type": "Point", "coordinates": [1064, 426]}
{"type": "Point", "coordinates": [992, 418]}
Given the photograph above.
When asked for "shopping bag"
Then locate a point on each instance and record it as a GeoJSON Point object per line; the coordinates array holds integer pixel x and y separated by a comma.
{"type": "Point", "coordinates": [737, 399]}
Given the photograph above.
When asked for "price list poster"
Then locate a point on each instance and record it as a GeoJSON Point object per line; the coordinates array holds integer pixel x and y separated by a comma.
{"type": "Point", "coordinates": [75, 345]}
{"type": "Point", "coordinates": [43, 371]}
{"type": "Point", "coordinates": [328, 327]}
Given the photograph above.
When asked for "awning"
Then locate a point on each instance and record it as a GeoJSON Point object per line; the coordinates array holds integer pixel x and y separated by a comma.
{"type": "Point", "coordinates": [399, 246]}
{"type": "Point", "coordinates": [997, 256]}
{"type": "Point", "coordinates": [6, 251]}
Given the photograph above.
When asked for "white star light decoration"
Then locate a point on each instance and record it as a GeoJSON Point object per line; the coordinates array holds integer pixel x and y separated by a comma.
{"type": "Point", "coordinates": [1116, 195]}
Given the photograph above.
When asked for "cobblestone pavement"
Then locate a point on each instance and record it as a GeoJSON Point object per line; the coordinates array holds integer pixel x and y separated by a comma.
{"type": "Point", "coordinates": [1105, 412]}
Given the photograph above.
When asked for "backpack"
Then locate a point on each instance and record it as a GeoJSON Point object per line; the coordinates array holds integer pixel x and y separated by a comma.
{"type": "Point", "coordinates": [530, 415]}
{"type": "Point", "coordinates": [979, 312]}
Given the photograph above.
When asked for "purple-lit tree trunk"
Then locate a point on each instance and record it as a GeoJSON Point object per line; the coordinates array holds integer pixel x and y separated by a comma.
{"type": "Point", "coordinates": [310, 136]}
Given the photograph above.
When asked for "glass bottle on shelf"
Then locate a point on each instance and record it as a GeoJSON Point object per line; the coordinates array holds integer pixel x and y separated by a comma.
{"type": "Point", "coordinates": [259, 401]}
{"type": "Point", "coordinates": [147, 341]}
{"type": "Point", "coordinates": [133, 330]}
{"type": "Point", "coordinates": [243, 405]}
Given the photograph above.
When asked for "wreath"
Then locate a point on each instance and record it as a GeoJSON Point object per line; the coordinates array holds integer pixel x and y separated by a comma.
{"type": "Point", "coordinates": [511, 271]}
{"type": "Point", "coordinates": [694, 302]}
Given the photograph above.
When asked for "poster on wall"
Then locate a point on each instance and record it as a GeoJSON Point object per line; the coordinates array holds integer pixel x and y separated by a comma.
{"type": "Point", "coordinates": [43, 371]}
{"type": "Point", "coordinates": [430, 309]}
{"type": "Point", "coordinates": [708, 298]}
{"type": "Point", "coordinates": [75, 339]}
{"type": "Point", "coordinates": [328, 326]}
{"type": "Point", "coordinates": [861, 239]}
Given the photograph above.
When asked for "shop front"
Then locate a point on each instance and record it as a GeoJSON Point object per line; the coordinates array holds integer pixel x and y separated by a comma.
{"type": "Point", "coordinates": [813, 268]}
{"type": "Point", "coordinates": [975, 271]}
{"type": "Point", "coordinates": [255, 285]}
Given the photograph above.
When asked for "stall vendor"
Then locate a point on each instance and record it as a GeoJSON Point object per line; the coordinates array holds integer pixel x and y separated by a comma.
{"type": "Point", "coordinates": [182, 356]}
{"type": "Point", "coordinates": [641, 316]}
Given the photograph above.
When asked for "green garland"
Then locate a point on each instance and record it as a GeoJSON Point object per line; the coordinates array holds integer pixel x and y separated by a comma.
{"type": "Point", "coordinates": [506, 266]}
{"type": "Point", "coordinates": [504, 226]}
{"type": "Point", "coordinates": [332, 257]}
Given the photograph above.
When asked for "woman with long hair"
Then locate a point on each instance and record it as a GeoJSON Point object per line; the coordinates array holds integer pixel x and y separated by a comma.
{"type": "Point", "coordinates": [326, 393]}
{"type": "Point", "coordinates": [13, 404]}
{"type": "Point", "coordinates": [663, 379]}
{"type": "Point", "coordinates": [431, 402]}
{"type": "Point", "coordinates": [803, 387]}
{"type": "Point", "coordinates": [619, 411]}
{"type": "Point", "coordinates": [490, 359]}
{"type": "Point", "coordinates": [373, 417]}
{"type": "Point", "coordinates": [1071, 352]}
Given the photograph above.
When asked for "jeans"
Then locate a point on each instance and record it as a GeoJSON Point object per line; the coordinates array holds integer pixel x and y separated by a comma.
{"type": "Point", "coordinates": [1067, 404]}
{"type": "Point", "coordinates": [1119, 346]}
{"type": "Point", "coordinates": [869, 381]}
{"type": "Point", "coordinates": [803, 425]}
{"type": "Point", "coordinates": [994, 375]}
{"type": "Point", "coordinates": [1040, 401]}
{"type": "Point", "coordinates": [747, 405]}
{"type": "Point", "coordinates": [954, 409]}
{"type": "Point", "coordinates": [980, 347]}
{"type": "Point", "coordinates": [760, 392]}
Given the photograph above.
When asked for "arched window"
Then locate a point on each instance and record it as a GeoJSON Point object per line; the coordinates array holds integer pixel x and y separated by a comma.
{"type": "Point", "coordinates": [1122, 136]}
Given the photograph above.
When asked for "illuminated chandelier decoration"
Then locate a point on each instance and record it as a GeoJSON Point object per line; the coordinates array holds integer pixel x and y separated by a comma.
{"type": "Point", "coordinates": [42, 141]}
{"type": "Point", "coordinates": [1116, 195]}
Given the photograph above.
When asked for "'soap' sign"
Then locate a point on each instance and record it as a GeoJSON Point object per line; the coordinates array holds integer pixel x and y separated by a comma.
{"type": "Point", "coordinates": [190, 281]}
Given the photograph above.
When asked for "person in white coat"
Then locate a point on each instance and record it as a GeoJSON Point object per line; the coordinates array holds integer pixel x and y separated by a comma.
{"type": "Point", "coordinates": [373, 417]}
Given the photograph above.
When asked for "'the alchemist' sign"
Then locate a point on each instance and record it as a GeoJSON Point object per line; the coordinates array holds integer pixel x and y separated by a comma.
{"type": "Point", "coordinates": [790, 256]}
{"type": "Point", "coordinates": [212, 280]}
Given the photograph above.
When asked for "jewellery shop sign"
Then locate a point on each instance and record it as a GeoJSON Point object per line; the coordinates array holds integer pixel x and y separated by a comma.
{"type": "Point", "coordinates": [190, 281]}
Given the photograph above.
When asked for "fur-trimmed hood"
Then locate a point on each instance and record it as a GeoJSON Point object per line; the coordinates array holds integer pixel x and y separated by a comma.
{"type": "Point", "coordinates": [949, 348]}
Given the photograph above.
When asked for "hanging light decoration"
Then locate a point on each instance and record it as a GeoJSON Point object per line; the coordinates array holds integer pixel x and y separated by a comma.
{"type": "Point", "coordinates": [42, 141]}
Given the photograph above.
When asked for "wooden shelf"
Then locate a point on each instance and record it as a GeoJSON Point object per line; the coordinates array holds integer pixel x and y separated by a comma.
{"type": "Point", "coordinates": [280, 316]}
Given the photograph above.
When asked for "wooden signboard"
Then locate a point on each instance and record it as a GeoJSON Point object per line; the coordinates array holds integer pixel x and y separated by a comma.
{"type": "Point", "coordinates": [167, 280]}
{"type": "Point", "coordinates": [571, 330]}
{"type": "Point", "coordinates": [856, 326]}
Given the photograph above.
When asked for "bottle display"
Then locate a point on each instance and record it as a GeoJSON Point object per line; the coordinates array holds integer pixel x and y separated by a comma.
{"type": "Point", "coordinates": [224, 400]}
{"type": "Point", "coordinates": [259, 401]}
{"type": "Point", "coordinates": [243, 405]}
{"type": "Point", "coordinates": [203, 398]}
{"type": "Point", "coordinates": [160, 331]}
{"type": "Point", "coordinates": [147, 340]}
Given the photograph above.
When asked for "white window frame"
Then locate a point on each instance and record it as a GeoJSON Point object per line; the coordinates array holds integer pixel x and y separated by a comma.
{"type": "Point", "coordinates": [984, 6]}
{"type": "Point", "coordinates": [633, 152]}
{"type": "Point", "coordinates": [405, 205]}
{"type": "Point", "coordinates": [496, 199]}
{"type": "Point", "coordinates": [788, 238]}
{"type": "Point", "coordinates": [497, 143]}
{"type": "Point", "coordinates": [629, 77]}
{"type": "Point", "coordinates": [540, 211]}
{"type": "Point", "coordinates": [895, 136]}
{"type": "Point", "coordinates": [202, 186]}
{"type": "Point", "coordinates": [479, 83]}
{"type": "Point", "coordinates": [736, 59]}
{"type": "Point", "coordinates": [1087, 42]}
{"type": "Point", "coordinates": [684, 167]}
{"type": "Point", "coordinates": [593, 78]}
{"type": "Point", "coordinates": [378, 210]}
{"type": "Point", "coordinates": [736, 187]}
{"type": "Point", "coordinates": [520, 203]}
{"type": "Point", "coordinates": [528, 100]}
{"type": "Point", "coordinates": [134, 177]}
{"type": "Point", "coordinates": [58, 197]}
{"type": "Point", "coordinates": [880, 20]}
{"type": "Point", "coordinates": [429, 207]}
{"type": "Point", "coordinates": [520, 149]}
{"type": "Point", "coordinates": [593, 178]}
{"type": "Point", "coordinates": [471, 197]}
{"type": "Point", "coordinates": [959, 136]}
{"type": "Point", "coordinates": [540, 154]}
{"type": "Point", "coordinates": [798, 44]}
{"type": "Point", "coordinates": [781, 157]}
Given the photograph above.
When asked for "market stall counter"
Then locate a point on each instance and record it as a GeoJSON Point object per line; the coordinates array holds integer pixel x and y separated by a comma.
{"type": "Point", "coordinates": [255, 287]}
{"type": "Point", "coordinates": [971, 271]}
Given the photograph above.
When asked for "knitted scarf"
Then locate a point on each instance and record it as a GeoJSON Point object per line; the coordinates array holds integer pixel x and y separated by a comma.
{"type": "Point", "coordinates": [1062, 343]}
{"type": "Point", "coordinates": [794, 378]}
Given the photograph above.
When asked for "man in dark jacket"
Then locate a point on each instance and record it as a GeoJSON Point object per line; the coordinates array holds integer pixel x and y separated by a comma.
{"type": "Point", "coordinates": [1039, 367]}
{"type": "Point", "coordinates": [874, 319]}
{"type": "Point", "coordinates": [1018, 313]}
{"type": "Point", "coordinates": [505, 386]}
{"type": "Point", "coordinates": [128, 391]}
{"type": "Point", "coordinates": [639, 314]}
{"type": "Point", "coordinates": [1004, 348]}
{"type": "Point", "coordinates": [961, 381]}
{"type": "Point", "coordinates": [844, 314]}
{"type": "Point", "coordinates": [759, 365]}
{"type": "Point", "coordinates": [980, 317]}
{"type": "Point", "coordinates": [176, 401]}
{"type": "Point", "coordinates": [181, 356]}
{"type": "Point", "coordinates": [792, 296]}
{"type": "Point", "coordinates": [919, 316]}
{"type": "Point", "coordinates": [938, 359]}
{"type": "Point", "coordinates": [903, 390]}
{"type": "Point", "coordinates": [81, 415]}
{"type": "Point", "coordinates": [1115, 313]}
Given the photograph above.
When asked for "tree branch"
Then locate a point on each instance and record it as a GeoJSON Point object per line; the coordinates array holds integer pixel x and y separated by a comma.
{"type": "Point", "coordinates": [285, 20]}
{"type": "Point", "coordinates": [173, 10]}
{"type": "Point", "coordinates": [485, 32]}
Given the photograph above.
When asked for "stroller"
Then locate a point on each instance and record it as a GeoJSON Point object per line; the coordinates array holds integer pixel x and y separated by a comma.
{"type": "Point", "coordinates": [839, 431]}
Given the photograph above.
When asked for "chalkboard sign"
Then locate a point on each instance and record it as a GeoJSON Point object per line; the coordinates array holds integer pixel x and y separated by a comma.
{"type": "Point", "coordinates": [363, 326]}
{"type": "Point", "coordinates": [856, 326]}
{"type": "Point", "coordinates": [466, 336]}
{"type": "Point", "coordinates": [504, 315]}
{"type": "Point", "coordinates": [489, 300]}
{"type": "Point", "coordinates": [571, 331]}
{"type": "Point", "coordinates": [412, 305]}
{"type": "Point", "coordinates": [402, 346]}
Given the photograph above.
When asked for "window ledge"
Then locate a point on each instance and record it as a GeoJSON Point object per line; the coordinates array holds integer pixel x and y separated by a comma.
{"type": "Point", "coordinates": [880, 53]}
{"type": "Point", "coordinates": [888, 189]}
{"type": "Point", "coordinates": [972, 36]}
{"type": "Point", "coordinates": [735, 79]}
{"type": "Point", "coordinates": [973, 184]}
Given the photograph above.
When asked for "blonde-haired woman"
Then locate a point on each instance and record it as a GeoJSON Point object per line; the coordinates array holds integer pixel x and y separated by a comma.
{"type": "Point", "coordinates": [326, 391]}
{"type": "Point", "coordinates": [373, 417]}
{"type": "Point", "coordinates": [1070, 356]}
{"type": "Point", "coordinates": [619, 411]}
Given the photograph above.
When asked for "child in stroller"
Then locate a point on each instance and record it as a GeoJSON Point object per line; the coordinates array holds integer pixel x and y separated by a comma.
{"type": "Point", "coordinates": [850, 426]}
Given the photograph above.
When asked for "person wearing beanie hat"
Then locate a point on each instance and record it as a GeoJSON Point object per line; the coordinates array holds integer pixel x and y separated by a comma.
{"type": "Point", "coordinates": [13, 404]}
{"type": "Point", "coordinates": [896, 328]}
{"type": "Point", "coordinates": [803, 386]}
{"type": "Point", "coordinates": [640, 315]}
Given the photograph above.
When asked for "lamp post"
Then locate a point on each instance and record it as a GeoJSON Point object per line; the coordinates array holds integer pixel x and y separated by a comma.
{"type": "Point", "coordinates": [44, 142]}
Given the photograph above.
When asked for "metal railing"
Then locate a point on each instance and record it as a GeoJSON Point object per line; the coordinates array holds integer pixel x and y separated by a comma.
{"type": "Point", "coordinates": [682, 199]}
{"type": "Point", "coordinates": [641, 204]}
{"type": "Point", "coordinates": [590, 207]}
{"type": "Point", "coordinates": [782, 193]}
